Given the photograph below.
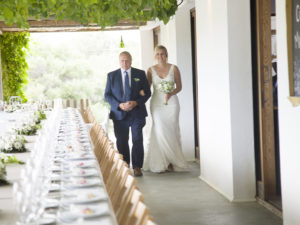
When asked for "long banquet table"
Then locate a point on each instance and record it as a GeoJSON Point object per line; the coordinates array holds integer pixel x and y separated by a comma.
{"type": "Point", "coordinates": [7, 120]}
{"type": "Point", "coordinates": [104, 213]}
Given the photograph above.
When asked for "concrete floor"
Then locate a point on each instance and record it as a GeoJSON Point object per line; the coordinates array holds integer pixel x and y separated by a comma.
{"type": "Point", "coordinates": [183, 199]}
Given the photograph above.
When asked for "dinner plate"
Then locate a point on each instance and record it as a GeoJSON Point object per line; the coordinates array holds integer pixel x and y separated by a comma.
{"type": "Point", "coordinates": [83, 172]}
{"type": "Point", "coordinates": [84, 198]}
{"type": "Point", "coordinates": [58, 160]}
{"type": "Point", "coordinates": [84, 142]}
{"type": "Point", "coordinates": [51, 203]}
{"type": "Point", "coordinates": [81, 183]}
{"type": "Point", "coordinates": [82, 156]}
{"type": "Point", "coordinates": [56, 169]}
{"type": "Point", "coordinates": [88, 144]}
{"type": "Point", "coordinates": [92, 211]}
{"type": "Point", "coordinates": [55, 177]}
{"type": "Point", "coordinates": [84, 164]}
{"type": "Point", "coordinates": [87, 147]}
{"type": "Point", "coordinates": [54, 187]}
{"type": "Point", "coordinates": [78, 211]}
{"type": "Point", "coordinates": [46, 221]}
{"type": "Point", "coordinates": [83, 137]}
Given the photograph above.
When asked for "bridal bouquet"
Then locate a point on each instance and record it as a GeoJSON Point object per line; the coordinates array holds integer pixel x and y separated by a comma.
{"type": "Point", "coordinates": [12, 143]}
{"type": "Point", "coordinates": [166, 87]}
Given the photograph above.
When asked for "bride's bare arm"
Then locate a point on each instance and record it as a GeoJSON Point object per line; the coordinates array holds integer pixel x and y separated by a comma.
{"type": "Point", "coordinates": [149, 76]}
{"type": "Point", "coordinates": [178, 83]}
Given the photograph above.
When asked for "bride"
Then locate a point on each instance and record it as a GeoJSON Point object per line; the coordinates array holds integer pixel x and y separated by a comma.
{"type": "Point", "coordinates": [164, 147]}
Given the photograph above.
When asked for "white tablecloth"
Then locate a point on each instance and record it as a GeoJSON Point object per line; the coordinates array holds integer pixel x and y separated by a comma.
{"type": "Point", "coordinates": [8, 214]}
{"type": "Point", "coordinates": [7, 121]}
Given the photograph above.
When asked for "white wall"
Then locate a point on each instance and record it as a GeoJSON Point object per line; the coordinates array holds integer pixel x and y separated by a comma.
{"type": "Point", "coordinates": [147, 57]}
{"type": "Point", "coordinates": [225, 97]}
{"type": "Point", "coordinates": [239, 36]}
{"type": "Point", "coordinates": [289, 126]}
{"type": "Point", "coordinates": [168, 39]}
{"type": "Point", "coordinates": [176, 37]}
{"type": "Point", "coordinates": [213, 83]}
{"type": "Point", "coordinates": [147, 46]}
{"type": "Point", "coordinates": [184, 63]}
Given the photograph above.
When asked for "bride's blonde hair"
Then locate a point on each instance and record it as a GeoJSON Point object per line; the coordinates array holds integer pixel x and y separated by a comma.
{"type": "Point", "coordinates": [160, 47]}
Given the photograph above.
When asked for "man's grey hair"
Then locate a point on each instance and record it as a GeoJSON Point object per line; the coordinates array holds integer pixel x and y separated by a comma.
{"type": "Point", "coordinates": [126, 53]}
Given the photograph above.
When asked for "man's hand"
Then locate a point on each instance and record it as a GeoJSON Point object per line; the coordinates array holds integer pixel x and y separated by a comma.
{"type": "Point", "coordinates": [131, 104]}
{"type": "Point", "coordinates": [127, 106]}
{"type": "Point", "coordinates": [122, 106]}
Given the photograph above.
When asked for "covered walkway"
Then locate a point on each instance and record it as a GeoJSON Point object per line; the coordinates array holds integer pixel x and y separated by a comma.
{"type": "Point", "coordinates": [184, 199]}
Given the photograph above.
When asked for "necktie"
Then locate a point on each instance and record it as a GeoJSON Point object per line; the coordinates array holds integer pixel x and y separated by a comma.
{"type": "Point", "coordinates": [127, 87]}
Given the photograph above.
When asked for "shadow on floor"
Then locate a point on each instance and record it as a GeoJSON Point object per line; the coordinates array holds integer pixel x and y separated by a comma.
{"type": "Point", "coordinates": [184, 199]}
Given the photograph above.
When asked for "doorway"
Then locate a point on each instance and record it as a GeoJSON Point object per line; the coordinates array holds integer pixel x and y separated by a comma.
{"type": "Point", "coordinates": [156, 36]}
{"type": "Point", "coordinates": [195, 82]}
{"type": "Point", "coordinates": [263, 14]}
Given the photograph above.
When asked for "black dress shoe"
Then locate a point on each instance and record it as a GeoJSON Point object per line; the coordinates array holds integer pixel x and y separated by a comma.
{"type": "Point", "coordinates": [170, 168]}
{"type": "Point", "coordinates": [137, 172]}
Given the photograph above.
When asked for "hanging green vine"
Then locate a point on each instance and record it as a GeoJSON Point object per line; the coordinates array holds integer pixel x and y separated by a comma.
{"type": "Point", "coordinates": [102, 12]}
{"type": "Point", "coordinates": [14, 47]}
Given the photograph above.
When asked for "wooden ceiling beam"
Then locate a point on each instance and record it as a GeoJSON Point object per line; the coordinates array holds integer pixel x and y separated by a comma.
{"type": "Point", "coordinates": [67, 26]}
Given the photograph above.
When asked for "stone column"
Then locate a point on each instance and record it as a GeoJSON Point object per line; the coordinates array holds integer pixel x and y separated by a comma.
{"type": "Point", "coordinates": [225, 97]}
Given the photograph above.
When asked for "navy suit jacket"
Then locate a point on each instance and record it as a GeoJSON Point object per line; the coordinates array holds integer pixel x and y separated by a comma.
{"type": "Point", "coordinates": [114, 93]}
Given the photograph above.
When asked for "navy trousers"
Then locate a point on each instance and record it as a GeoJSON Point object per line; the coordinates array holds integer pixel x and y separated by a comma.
{"type": "Point", "coordinates": [121, 128]}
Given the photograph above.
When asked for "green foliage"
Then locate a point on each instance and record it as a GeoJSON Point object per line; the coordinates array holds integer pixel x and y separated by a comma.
{"type": "Point", "coordinates": [102, 12]}
{"type": "Point", "coordinates": [12, 159]}
{"type": "Point", "coordinates": [3, 182]}
{"type": "Point", "coordinates": [42, 116]}
{"type": "Point", "coordinates": [30, 130]}
{"type": "Point", "coordinates": [14, 48]}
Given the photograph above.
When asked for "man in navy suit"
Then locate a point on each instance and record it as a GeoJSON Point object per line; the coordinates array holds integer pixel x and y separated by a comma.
{"type": "Point", "coordinates": [126, 91]}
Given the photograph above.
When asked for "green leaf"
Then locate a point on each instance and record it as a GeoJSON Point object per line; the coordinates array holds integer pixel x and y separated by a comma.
{"type": "Point", "coordinates": [8, 14]}
{"type": "Point", "coordinates": [102, 12]}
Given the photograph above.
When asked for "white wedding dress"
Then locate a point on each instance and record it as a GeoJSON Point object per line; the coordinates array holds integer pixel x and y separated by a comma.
{"type": "Point", "coordinates": [164, 144]}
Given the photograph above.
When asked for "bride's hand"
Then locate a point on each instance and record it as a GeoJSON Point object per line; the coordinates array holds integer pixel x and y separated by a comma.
{"type": "Point", "coordinates": [167, 97]}
{"type": "Point", "coordinates": [142, 93]}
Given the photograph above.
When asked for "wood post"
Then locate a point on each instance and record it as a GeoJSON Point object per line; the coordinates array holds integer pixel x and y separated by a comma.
{"type": "Point", "coordinates": [75, 103]}
{"type": "Point", "coordinates": [81, 105]}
